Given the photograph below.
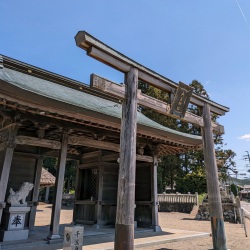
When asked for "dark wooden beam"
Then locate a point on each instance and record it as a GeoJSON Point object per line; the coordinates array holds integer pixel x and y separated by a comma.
{"type": "Point", "coordinates": [143, 165]}
{"type": "Point", "coordinates": [2, 146]}
{"type": "Point", "coordinates": [4, 131]}
{"type": "Point", "coordinates": [6, 162]}
{"type": "Point", "coordinates": [87, 142]}
{"type": "Point", "coordinates": [110, 164]}
{"type": "Point", "coordinates": [88, 165]}
{"type": "Point", "coordinates": [98, 124]}
{"type": "Point", "coordinates": [8, 127]}
{"type": "Point", "coordinates": [73, 140]}
{"type": "Point", "coordinates": [77, 141]}
{"type": "Point", "coordinates": [111, 157]}
{"type": "Point", "coordinates": [148, 101]}
{"type": "Point", "coordinates": [34, 141]}
{"type": "Point", "coordinates": [114, 157]}
{"type": "Point", "coordinates": [27, 155]}
{"type": "Point", "coordinates": [144, 158]}
{"type": "Point", "coordinates": [93, 154]}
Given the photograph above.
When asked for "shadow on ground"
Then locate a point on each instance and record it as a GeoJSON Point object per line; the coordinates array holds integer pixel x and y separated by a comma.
{"type": "Point", "coordinates": [165, 249]}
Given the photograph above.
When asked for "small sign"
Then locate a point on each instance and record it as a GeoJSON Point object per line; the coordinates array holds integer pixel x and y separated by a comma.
{"type": "Point", "coordinates": [73, 238]}
{"type": "Point", "coordinates": [16, 221]}
{"type": "Point", "coordinates": [181, 100]}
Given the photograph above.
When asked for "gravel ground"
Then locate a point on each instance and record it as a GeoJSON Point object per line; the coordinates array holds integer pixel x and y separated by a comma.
{"type": "Point", "coordinates": [235, 233]}
{"type": "Point", "coordinates": [236, 239]}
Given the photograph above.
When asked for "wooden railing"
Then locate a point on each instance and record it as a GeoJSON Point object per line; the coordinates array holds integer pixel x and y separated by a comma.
{"type": "Point", "coordinates": [178, 198]}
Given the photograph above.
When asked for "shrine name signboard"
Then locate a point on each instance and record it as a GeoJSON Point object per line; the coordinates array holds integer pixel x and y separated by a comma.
{"type": "Point", "coordinates": [181, 100]}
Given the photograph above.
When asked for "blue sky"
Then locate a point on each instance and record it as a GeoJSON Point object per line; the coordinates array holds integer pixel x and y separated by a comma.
{"type": "Point", "coordinates": [207, 40]}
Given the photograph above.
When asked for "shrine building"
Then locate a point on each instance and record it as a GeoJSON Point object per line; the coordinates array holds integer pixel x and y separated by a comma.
{"type": "Point", "coordinates": [43, 114]}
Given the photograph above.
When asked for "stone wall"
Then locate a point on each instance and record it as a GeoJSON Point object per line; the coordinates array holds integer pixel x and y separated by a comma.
{"type": "Point", "coordinates": [177, 202]}
{"type": "Point", "coordinates": [176, 207]}
{"type": "Point", "coordinates": [230, 212]}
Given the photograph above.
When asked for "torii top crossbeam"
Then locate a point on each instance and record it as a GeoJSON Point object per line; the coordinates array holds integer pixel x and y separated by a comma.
{"type": "Point", "coordinates": [115, 59]}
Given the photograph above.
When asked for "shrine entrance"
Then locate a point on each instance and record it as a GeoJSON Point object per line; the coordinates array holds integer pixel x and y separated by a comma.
{"type": "Point", "coordinates": [46, 115]}
{"type": "Point", "coordinates": [116, 148]}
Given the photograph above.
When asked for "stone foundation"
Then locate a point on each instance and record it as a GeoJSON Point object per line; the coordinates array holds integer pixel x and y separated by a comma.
{"type": "Point", "coordinates": [176, 207]}
{"type": "Point", "coordinates": [230, 213]}
{"type": "Point", "coordinates": [13, 224]}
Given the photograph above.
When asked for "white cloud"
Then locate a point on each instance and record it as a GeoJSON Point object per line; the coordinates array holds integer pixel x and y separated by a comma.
{"type": "Point", "coordinates": [245, 137]}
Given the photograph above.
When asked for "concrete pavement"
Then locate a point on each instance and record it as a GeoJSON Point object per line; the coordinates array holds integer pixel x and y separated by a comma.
{"type": "Point", "coordinates": [104, 240]}
{"type": "Point", "coordinates": [94, 239]}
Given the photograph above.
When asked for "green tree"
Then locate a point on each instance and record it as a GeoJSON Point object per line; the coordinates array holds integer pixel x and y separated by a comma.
{"type": "Point", "coordinates": [70, 175]}
{"type": "Point", "coordinates": [199, 89]}
{"type": "Point", "coordinates": [50, 164]}
{"type": "Point", "coordinates": [155, 116]}
{"type": "Point", "coordinates": [192, 182]}
{"type": "Point", "coordinates": [70, 171]}
{"type": "Point", "coordinates": [168, 169]}
{"type": "Point", "coordinates": [225, 162]}
{"type": "Point", "coordinates": [186, 169]}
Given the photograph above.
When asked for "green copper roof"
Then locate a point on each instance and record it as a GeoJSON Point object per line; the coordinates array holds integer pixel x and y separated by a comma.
{"type": "Point", "coordinates": [78, 99]}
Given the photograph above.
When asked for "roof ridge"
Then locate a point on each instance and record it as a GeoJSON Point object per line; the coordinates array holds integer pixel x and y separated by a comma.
{"type": "Point", "coordinates": [20, 65]}
{"type": "Point", "coordinates": [38, 72]}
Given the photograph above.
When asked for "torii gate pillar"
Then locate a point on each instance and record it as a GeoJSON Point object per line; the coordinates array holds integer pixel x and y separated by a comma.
{"type": "Point", "coordinates": [214, 197]}
{"type": "Point", "coordinates": [124, 227]}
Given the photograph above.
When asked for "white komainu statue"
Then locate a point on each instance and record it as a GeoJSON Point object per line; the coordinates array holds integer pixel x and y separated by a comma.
{"type": "Point", "coordinates": [20, 195]}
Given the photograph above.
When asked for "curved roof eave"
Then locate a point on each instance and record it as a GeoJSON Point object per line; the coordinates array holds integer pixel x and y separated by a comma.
{"type": "Point", "coordinates": [84, 101]}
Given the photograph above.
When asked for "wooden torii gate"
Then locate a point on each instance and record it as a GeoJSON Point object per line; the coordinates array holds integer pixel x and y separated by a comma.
{"type": "Point", "coordinates": [124, 229]}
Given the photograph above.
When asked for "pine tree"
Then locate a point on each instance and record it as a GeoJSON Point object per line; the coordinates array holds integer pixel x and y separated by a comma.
{"type": "Point", "coordinates": [186, 169]}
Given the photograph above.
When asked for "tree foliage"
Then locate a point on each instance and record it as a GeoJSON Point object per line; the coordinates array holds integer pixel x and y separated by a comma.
{"type": "Point", "coordinates": [192, 182]}
{"type": "Point", "coordinates": [50, 164]}
{"type": "Point", "coordinates": [168, 169]}
{"type": "Point", "coordinates": [186, 170]}
{"type": "Point", "coordinates": [155, 116]}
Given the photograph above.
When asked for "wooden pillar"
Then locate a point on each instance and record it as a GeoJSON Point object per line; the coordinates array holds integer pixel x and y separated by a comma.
{"type": "Point", "coordinates": [77, 191]}
{"type": "Point", "coordinates": [39, 166]}
{"type": "Point", "coordinates": [57, 202]}
{"type": "Point", "coordinates": [100, 190]}
{"type": "Point", "coordinates": [214, 197]}
{"type": "Point", "coordinates": [124, 228]}
{"type": "Point", "coordinates": [8, 152]}
{"type": "Point", "coordinates": [46, 199]}
{"type": "Point", "coordinates": [154, 195]}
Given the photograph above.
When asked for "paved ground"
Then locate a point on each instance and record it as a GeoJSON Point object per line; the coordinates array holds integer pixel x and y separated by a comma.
{"type": "Point", "coordinates": [246, 206]}
{"type": "Point", "coordinates": [101, 239]}
{"type": "Point", "coordinates": [175, 224]}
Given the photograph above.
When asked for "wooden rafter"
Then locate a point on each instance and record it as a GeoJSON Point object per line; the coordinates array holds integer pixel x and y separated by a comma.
{"type": "Point", "coordinates": [23, 106]}
{"type": "Point", "coordinates": [79, 141]}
